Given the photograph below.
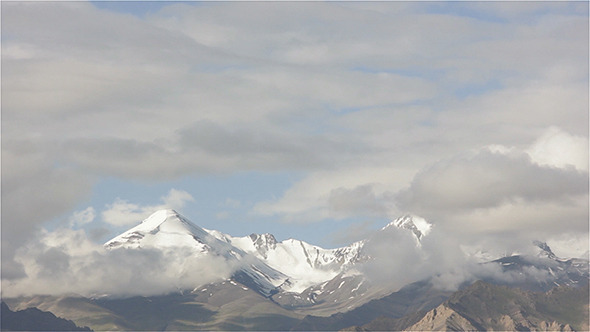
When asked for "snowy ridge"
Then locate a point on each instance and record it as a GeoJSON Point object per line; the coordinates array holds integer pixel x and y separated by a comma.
{"type": "Point", "coordinates": [169, 229]}
{"type": "Point", "coordinates": [290, 265]}
{"type": "Point", "coordinates": [305, 264]}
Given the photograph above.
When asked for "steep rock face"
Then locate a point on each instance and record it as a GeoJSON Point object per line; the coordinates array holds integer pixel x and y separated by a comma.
{"type": "Point", "coordinates": [443, 318]}
{"type": "Point", "coordinates": [483, 306]}
{"type": "Point", "coordinates": [263, 243]}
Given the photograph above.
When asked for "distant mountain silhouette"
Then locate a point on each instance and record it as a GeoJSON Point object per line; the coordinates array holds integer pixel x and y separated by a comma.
{"type": "Point", "coordinates": [33, 319]}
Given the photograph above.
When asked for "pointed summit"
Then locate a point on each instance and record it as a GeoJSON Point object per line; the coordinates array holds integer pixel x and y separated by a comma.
{"type": "Point", "coordinates": [164, 228]}
{"type": "Point", "coordinates": [418, 225]}
{"type": "Point", "coordinates": [167, 229]}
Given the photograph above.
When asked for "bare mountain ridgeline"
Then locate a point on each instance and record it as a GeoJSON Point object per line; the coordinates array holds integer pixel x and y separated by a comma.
{"type": "Point", "coordinates": [485, 307]}
{"type": "Point", "coordinates": [292, 285]}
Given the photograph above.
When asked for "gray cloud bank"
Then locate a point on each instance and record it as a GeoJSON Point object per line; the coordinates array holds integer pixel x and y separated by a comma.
{"type": "Point", "coordinates": [487, 190]}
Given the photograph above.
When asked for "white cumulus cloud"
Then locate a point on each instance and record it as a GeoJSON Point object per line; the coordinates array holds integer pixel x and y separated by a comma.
{"type": "Point", "coordinates": [83, 217]}
{"type": "Point", "coordinates": [557, 148]}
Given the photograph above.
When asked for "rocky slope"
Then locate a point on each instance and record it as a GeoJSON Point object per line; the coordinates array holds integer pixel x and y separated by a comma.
{"type": "Point", "coordinates": [486, 307]}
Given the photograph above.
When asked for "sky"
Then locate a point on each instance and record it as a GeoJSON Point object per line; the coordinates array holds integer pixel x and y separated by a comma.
{"type": "Point", "coordinates": [320, 121]}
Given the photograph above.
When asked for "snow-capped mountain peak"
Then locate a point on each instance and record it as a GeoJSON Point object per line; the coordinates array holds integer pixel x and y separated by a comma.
{"type": "Point", "coordinates": [163, 228]}
{"type": "Point", "coordinates": [167, 229]}
{"type": "Point", "coordinates": [418, 225]}
{"type": "Point", "coordinates": [294, 264]}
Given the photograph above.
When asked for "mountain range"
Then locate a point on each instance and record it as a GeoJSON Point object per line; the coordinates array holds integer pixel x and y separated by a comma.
{"type": "Point", "coordinates": [294, 285]}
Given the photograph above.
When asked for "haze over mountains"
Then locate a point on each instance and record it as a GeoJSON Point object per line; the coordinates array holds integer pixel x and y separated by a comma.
{"type": "Point", "coordinates": [257, 282]}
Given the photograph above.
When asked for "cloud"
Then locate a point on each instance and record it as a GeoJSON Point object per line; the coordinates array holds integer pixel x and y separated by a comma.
{"type": "Point", "coordinates": [176, 199]}
{"type": "Point", "coordinates": [469, 272]}
{"type": "Point", "coordinates": [263, 147]}
{"type": "Point", "coordinates": [178, 65]}
{"type": "Point", "coordinates": [83, 217]}
{"type": "Point", "coordinates": [66, 261]}
{"type": "Point", "coordinates": [494, 186]}
{"type": "Point", "coordinates": [570, 244]}
{"type": "Point", "coordinates": [33, 192]}
{"type": "Point", "coordinates": [358, 201]}
{"type": "Point", "coordinates": [514, 11]}
{"type": "Point", "coordinates": [330, 194]}
{"type": "Point", "coordinates": [123, 213]}
{"type": "Point", "coordinates": [355, 232]}
{"type": "Point", "coordinates": [501, 197]}
{"type": "Point", "coordinates": [396, 260]}
{"type": "Point", "coordinates": [487, 179]}
{"type": "Point", "coordinates": [559, 149]}
{"type": "Point", "coordinates": [213, 67]}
